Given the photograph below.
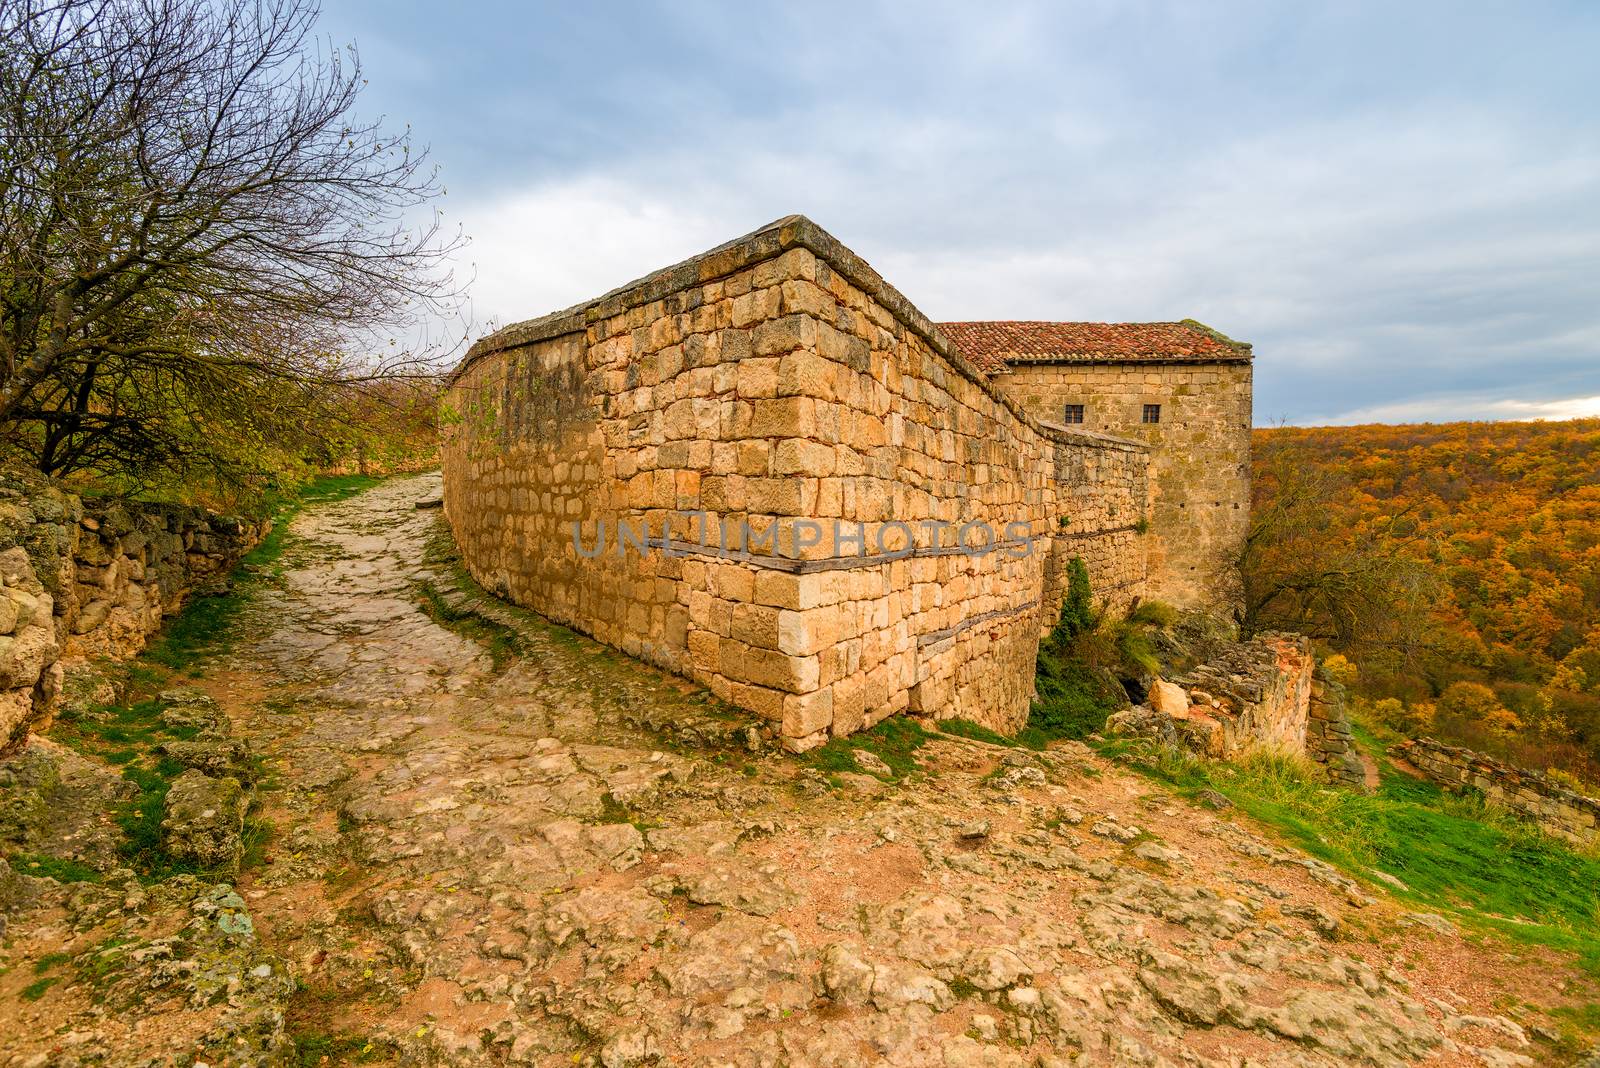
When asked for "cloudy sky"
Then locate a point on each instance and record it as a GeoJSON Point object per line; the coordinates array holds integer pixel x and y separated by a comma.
{"type": "Point", "coordinates": [1398, 203]}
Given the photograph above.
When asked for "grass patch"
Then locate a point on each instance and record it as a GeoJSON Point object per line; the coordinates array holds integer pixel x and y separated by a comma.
{"type": "Point", "coordinates": [258, 834]}
{"type": "Point", "coordinates": [127, 736]}
{"type": "Point", "coordinates": [315, 1048]}
{"type": "Point", "coordinates": [36, 989]}
{"type": "Point", "coordinates": [895, 741]}
{"type": "Point", "coordinates": [1455, 854]}
{"type": "Point", "coordinates": [50, 960]}
{"type": "Point", "coordinates": [977, 732]}
{"type": "Point", "coordinates": [140, 820]}
{"type": "Point", "coordinates": [57, 868]}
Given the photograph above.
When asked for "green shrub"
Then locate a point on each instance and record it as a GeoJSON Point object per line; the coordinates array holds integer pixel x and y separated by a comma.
{"type": "Point", "coordinates": [1072, 696]}
{"type": "Point", "coordinates": [1077, 608]}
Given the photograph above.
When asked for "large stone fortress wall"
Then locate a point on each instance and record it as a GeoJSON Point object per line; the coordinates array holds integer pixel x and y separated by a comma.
{"type": "Point", "coordinates": [778, 381]}
{"type": "Point", "coordinates": [1199, 448]}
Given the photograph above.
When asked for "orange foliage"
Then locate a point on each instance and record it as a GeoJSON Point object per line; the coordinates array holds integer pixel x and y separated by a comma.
{"type": "Point", "coordinates": [1507, 516]}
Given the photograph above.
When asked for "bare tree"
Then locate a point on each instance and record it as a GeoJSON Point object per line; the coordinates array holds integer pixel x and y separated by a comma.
{"type": "Point", "coordinates": [197, 238]}
{"type": "Point", "coordinates": [1361, 587]}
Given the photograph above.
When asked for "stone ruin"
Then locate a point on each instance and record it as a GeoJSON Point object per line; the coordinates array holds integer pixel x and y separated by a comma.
{"type": "Point", "coordinates": [1263, 693]}
{"type": "Point", "coordinates": [596, 459]}
{"type": "Point", "coordinates": [85, 579]}
{"type": "Point", "coordinates": [1553, 806]}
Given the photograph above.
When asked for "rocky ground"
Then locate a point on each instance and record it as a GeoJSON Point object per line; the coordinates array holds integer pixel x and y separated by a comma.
{"type": "Point", "coordinates": [481, 853]}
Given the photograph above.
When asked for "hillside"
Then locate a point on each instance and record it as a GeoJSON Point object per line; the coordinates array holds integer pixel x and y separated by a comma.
{"type": "Point", "coordinates": [1468, 553]}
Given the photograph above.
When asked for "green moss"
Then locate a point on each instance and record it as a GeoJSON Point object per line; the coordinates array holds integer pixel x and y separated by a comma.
{"type": "Point", "coordinates": [36, 989]}
{"type": "Point", "coordinates": [963, 989]}
{"type": "Point", "coordinates": [502, 643]}
{"type": "Point", "coordinates": [57, 868]}
{"type": "Point", "coordinates": [613, 811]}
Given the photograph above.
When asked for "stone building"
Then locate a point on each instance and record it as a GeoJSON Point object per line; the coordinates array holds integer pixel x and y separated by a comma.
{"type": "Point", "coordinates": [763, 468]}
{"type": "Point", "coordinates": [1181, 388]}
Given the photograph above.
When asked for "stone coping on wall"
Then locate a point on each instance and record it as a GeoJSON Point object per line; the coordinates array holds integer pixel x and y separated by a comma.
{"type": "Point", "coordinates": [1093, 438]}
{"type": "Point", "coordinates": [1119, 358]}
{"type": "Point", "coordinates": [758, 246]}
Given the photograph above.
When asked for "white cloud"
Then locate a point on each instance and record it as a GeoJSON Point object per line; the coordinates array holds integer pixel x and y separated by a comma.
{"type": "Point", "coordinates": [1363, 255]}
{"type": "Point", "coordinates": [543, 249]}
{"type": "Point", "coordinates": [1451, 408]}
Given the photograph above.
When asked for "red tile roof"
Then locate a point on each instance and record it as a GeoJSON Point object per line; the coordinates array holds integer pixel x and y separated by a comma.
{"type": "Point", "coordinates": [993, 345]}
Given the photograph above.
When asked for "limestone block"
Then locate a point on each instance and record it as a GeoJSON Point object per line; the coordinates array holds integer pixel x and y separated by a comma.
{"type": "Point", "coordinates": [203, 820]}
{"type": "Point", "coordinates": [16, 709]}
{"type": "Point", "coordinates": [806, 714]}
{"type": "Point", "coordinates": [25, 655]}
{"type": "Point", "coordinates": [16, 570]}
{"type": "Point", "coordinates": [1169, 699]}
{"type": "Point", "coordinates": [91, 616]}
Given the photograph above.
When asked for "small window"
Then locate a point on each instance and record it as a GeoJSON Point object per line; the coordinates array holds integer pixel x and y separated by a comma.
{"type": "Point", "coordinates": [1152, 413]}
{"type": "Point", "coordinates": [1073, 414]}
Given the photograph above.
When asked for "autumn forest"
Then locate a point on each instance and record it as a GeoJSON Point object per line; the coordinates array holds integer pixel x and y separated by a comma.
{"type": "Point", "coordinates": [1454, 571]}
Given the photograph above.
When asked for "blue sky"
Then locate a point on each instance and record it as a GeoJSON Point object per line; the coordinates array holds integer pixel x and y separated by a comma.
{"type": "Point", "coordinates": [1397, 203]}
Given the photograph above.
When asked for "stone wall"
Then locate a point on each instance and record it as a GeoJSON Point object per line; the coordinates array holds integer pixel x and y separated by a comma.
{"type": "Point", "coordinates": [92, 579]}
{"type": "Point", "coordinates": [779, 382]}
{"type": "Point", "coordinates": [1255, 694]}
{"type": "Point", "coordinates": [1265, 693]}
{"type": "Point", "coordinates": [1531, 794]}
{"type": "Point", "coordinates": [1102, 492]}
{"type": "Point", "coordinates": [1200, 456]}
{"type": "Point", "coordinates": [1328, 738]}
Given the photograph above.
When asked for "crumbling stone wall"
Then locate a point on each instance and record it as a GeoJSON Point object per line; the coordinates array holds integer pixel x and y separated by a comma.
{"type": "Point", "coordinates": [92, 578]}
{"type": "Point", "coordinates": [1328, 738]}
{"type": "Point", "coordinates": [1199, 455]}
{"type": "Point", "coordinates": [1263, 693]}
{"type": "Point", "coordinates": [1254, 694]}
{"type": "Point", "coordinates": [1555, 808]}
{"type": "Point", "coordinates": [779, 381]}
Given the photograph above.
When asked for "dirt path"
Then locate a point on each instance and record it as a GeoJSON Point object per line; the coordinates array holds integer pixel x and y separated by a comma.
{"type": "Point", "coordinates": [1370, 775]}
{"type": "Point", "coordinates": [479, 863]}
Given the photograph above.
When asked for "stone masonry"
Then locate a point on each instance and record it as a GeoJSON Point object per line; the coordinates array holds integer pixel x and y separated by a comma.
{"type": "Point", "coordinates": [1329, 740]}
{"type": "Point", "coordinates": [1531, 794]}
{"type": "Point", "coordinates": [765, 469]}
{"type": "Point", "coordinates": [1198, 381]}
{"type": "Point", "coordinates": [1265, 693]}
{"type": "Point", "coordinates": [1255, 693]}
{"type": "Point", "coordinates": [85, 579]}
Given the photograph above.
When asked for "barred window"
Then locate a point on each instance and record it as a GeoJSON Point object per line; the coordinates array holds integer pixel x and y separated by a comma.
{"type": "Point", "coordinates": [1152, 413]}
{"type": "Point", "coordinates": [1073, 414]}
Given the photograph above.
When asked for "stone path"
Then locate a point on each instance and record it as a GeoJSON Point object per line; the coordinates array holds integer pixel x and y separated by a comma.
{"type": "Point", "coordinates": [476, 861]}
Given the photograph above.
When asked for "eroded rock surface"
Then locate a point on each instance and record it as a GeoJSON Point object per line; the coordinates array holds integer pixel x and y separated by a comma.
{"type": "Point", "coordinates": [481, 857]}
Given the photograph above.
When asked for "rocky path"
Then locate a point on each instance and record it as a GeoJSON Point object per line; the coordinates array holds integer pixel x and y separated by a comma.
{"type": "Point", "coordinates": [475, 860]}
